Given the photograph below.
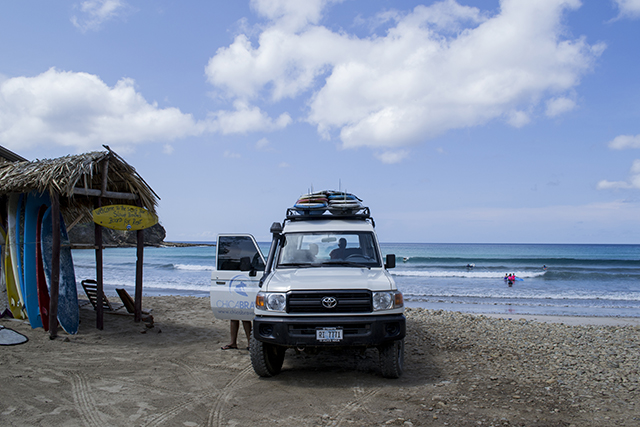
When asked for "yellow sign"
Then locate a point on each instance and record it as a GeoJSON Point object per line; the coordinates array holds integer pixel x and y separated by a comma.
{"type": "Point", "coordinates": [124, 217]}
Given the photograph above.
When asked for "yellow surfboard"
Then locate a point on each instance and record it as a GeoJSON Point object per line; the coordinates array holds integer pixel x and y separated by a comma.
{"type": "Point", "coordinates": [124, 217]}
{"type": "Point", "coordinates": [12, 292]}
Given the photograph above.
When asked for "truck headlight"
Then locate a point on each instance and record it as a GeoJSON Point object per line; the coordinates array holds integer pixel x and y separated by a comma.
{"type": "Point", "coordinates": [271, 301]}
{"type": "Point", "coordinates": [387, 300]}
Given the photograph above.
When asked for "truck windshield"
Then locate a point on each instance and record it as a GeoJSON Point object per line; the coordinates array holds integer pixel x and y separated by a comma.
{"type": "Point", "coordinates": [346, 248]}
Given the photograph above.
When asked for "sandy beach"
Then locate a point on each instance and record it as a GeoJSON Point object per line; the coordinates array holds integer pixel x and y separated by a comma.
{"type": "Point", "coordinates": [460, 370]}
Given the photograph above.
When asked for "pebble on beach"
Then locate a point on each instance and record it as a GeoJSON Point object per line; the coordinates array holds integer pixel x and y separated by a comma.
{"type": "Point", "coordinates": [593, 368]}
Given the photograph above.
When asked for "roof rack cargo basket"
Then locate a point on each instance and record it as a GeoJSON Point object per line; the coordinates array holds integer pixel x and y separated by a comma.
{"type": "Point", "coordinates": [297, 214]}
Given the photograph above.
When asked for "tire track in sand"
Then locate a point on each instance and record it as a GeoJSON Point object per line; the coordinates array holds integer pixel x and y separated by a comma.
{"type": "Point", "coordinates": [361, 398]}
{"type": "Point", "coordinates": [159, 418]}
{"type": "Point", "coordinates": [85, 404]}
{"type": "Point", "coordinates": [219, 397]}
{"type": "Point", "coordinates": [215, 415]}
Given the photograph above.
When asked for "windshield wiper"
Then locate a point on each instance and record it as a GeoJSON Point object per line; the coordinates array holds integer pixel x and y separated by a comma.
{"type": "Point", "coordinates": [297, 264]}
{"type": "Point", "coordinates": [348, 263]}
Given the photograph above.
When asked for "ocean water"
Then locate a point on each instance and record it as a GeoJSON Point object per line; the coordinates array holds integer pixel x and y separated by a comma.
{"type": "Point", "coordinates": [579, 280]}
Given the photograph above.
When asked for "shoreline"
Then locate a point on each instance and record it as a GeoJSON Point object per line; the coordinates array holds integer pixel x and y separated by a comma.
{"type": "Point", "coordinates": [568, 319]}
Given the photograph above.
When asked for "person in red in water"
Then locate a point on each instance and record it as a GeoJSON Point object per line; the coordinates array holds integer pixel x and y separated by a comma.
{"type": "Point", "coordinates": [510, 279]}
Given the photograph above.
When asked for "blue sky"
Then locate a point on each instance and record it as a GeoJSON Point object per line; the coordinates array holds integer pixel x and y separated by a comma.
{"type": "Point", "coordinates": [513, 121]}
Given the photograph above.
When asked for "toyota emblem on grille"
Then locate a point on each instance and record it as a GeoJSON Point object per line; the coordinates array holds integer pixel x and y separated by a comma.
{"type": "Point", "coordinates": [329, 302]}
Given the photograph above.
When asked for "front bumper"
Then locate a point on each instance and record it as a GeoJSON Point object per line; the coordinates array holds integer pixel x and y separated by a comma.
{"type": "Point", "coordinates": [358, 331]}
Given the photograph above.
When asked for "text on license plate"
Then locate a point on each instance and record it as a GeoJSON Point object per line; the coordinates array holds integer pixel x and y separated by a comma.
{"type": "Point", "coordinates": [329, 334]}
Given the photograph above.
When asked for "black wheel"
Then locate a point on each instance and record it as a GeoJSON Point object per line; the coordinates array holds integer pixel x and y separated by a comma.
{"type": "Point", "coordinates": [266, 358]}
{"type": "Point", "coordinates": [392, 359]}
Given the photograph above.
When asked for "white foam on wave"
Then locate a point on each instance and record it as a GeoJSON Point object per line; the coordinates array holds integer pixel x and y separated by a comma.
{"type": "Point", "coordinates": [517, 293]}
{"type": "Point", "coordinates": [467, 274]}
{"type": "Point", "coordinates": [192, 267]}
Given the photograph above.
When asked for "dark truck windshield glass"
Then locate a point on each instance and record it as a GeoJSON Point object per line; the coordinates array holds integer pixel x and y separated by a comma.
{"type": "Point", "coordinates": [347, 248]}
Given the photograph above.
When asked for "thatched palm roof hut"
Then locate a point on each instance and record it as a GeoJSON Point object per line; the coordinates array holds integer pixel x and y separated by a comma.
{"type": "Point", "coordinates": [78, 179]}
{"type": "Point", "coordinates": [77, 184]}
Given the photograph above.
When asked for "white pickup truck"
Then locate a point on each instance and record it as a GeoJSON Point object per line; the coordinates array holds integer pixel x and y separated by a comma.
{"type": "Point", "coordinates": [324, 284]}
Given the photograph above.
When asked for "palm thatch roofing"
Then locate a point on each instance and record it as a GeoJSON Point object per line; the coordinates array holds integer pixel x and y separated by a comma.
{"type": "Point", "coordinates": [78, 179]}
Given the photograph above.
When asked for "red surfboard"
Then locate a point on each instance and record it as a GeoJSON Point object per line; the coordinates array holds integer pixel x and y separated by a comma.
{"type": "Point", "coordinates": [43, 291]}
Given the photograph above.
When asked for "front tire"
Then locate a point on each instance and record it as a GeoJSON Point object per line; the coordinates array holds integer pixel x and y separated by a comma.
{"type": "Point", "coordinates": [266, 358]}
{"type": "Point", "coordinates": [392, 359]}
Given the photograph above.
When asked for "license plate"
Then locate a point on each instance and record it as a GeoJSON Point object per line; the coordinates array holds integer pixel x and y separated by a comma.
{"type": "Point", "coordinates": [329, 334]}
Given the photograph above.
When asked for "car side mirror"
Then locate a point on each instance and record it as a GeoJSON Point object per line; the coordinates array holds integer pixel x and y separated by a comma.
{"type": "Point", "coordinates": [391, 261]}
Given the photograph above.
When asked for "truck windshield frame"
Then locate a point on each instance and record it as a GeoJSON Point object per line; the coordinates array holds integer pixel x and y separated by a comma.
{"type": "Point", "coordinates": [329, 249]}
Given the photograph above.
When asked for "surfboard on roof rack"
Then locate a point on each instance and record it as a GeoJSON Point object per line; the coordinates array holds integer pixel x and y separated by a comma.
{"type": "Point", "coordinates": [336, 202]}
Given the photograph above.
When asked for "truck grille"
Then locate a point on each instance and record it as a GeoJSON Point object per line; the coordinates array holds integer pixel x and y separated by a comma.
{"type": "Point", "coordinates": [346, 302]}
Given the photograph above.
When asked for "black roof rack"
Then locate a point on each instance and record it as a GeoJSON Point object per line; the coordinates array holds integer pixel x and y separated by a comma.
{"type": "Point", "coordinates": [297, 214]}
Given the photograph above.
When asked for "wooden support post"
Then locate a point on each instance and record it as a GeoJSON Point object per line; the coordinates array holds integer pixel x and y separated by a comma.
{"type": "Point", "coordinates": [98, 242]}
{"type": "Point", "coordinates": [139, 264]}
{"type": "Point", "coordinates": [55, 265]}
{"type": "Point", "coordinates": [99, 278]}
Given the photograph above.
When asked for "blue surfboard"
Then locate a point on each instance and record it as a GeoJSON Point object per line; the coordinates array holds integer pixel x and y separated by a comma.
{"type": "Point", "coordinates": [31, 208]}
{"type": "Point", "coordinates": [68, 310]}
{"type": "Point", "coordinates": [19, 233]}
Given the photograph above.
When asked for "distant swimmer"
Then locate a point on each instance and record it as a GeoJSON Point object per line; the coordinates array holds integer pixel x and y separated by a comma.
{"type": "Point", "coordinates": [510, 279]}
{"type": "Point", "coordinates": [405, 259]}
{"type": "Point", "coordinates": [470, 266]}
{"type": "Point", "coordinates": [544, 267]}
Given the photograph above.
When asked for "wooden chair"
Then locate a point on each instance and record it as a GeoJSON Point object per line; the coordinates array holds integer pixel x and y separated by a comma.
{"type": "Point", "coordinates": [128, 302]}
{"type": "Point", "coordinates": [91, 289]}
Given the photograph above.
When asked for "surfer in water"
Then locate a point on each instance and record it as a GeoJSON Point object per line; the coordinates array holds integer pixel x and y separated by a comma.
{"type": "Point", "coordinates": [510, 279]}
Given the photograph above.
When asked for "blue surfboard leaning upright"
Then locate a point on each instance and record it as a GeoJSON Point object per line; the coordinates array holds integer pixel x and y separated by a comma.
{"type": "Point", "coordinates": [31, 208]}
{"type": "Point", "coordinates": [19, 233]}
{"type": "Point", "coordinates": [68, 309]}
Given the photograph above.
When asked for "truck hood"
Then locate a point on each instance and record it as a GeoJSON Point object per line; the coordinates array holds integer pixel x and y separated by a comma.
{"type": "Point", "coordinates": [329, 278]}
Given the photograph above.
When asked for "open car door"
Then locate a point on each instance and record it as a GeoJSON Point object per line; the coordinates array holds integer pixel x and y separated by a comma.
{"type": "Point", "coordinates": [234, 282]}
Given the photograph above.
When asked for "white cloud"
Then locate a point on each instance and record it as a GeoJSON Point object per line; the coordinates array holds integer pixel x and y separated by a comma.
{"type": "Point", "coordinates": [628, 8]}
{"type": "Point", "coordinates": [243, 119]}
{"type": "Point", "coordinates": [557, 106]}
{"type": "Point", "coordinates": [263, 144]}
{"type": "Point", "coordinates": [79, 110]}
{"type": "Point", "coordinates": [292, 14]}
{"type": "Point", "coordinates": [391, 157]}
{"type": "Point", "coordinates": [518, 119]}
{"type": "Point", "coordinates": [167, 149]}
{"type": "Point", "coordinates": [625, 141]}
{"type": "Point", "coordinates": [622, 142]}
{"type": "Point", "coordinates": [95, 12]}
{"type": "Point", "coordinates": [231, 155]}
{"type": "Point", "coordinates": [441, 67]}
{"type": "Point", "coordinates": [633, 182]}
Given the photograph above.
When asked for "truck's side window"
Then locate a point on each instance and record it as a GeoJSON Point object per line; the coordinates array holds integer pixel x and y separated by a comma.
{"type": "Point", "coordinates": [238, 253]}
